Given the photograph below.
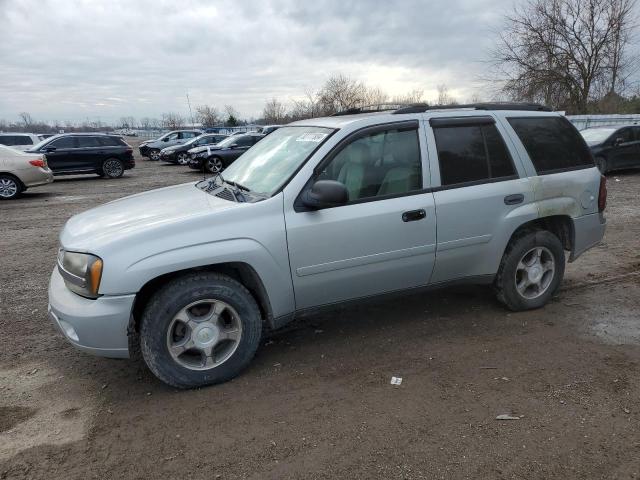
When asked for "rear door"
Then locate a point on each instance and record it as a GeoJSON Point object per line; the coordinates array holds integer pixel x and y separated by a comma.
{"type": "Point", "coordinates": [91, 153]}
{"type": "Point", "coordinates": [61, 154]}
{"type": "Point", "coordinates": [483, 195]}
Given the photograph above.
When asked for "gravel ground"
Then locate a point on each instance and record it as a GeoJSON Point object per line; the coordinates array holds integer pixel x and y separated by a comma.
{"type": "Point", "coordinates": [317, 400]}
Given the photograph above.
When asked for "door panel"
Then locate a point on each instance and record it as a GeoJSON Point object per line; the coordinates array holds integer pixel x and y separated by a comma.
{"type": "Point", "coordinates": [360, 250]}
{"type": "Point", "coordinates": [624, 154]}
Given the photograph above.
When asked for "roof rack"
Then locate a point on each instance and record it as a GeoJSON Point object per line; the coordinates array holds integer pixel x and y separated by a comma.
{"type": "Point", "coordinates": [379, 107]}
{"type": "Point", "coordinates": [423, 107]}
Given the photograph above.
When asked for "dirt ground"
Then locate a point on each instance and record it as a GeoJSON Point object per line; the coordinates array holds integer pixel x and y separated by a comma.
{"type": "Point", "coordinates": [317, 401]}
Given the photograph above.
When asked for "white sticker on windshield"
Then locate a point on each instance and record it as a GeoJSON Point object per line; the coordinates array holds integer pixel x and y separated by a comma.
{"type": "Point", "coordinates": [312, 137]}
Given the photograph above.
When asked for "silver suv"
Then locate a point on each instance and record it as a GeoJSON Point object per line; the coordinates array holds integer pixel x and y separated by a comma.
{"type": "Point", "coordinates": [325, 211]}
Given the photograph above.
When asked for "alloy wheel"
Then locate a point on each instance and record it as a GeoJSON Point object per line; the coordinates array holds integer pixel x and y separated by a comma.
{"type": "Point", "coordinates": [183, 158]}
{"type": "Point", "coordinates": [8, 187]}
{"type": "Point", "coordinates": [113, 168]}
{"type": "Point", "coordinates": [214, 165]}
{"type": "Point", "coordinates": [535, 272]}
{"type": "Point", "coordinates": [154, 155]}
{"type": "Point", "coordinates": [204, 334]}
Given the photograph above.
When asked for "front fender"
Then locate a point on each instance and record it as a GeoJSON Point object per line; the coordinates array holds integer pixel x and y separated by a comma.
{"type": "Point", "coordinates": [277, 281]}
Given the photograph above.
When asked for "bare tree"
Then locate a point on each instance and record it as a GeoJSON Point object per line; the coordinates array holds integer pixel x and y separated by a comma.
{"type": "Point", "coordinates": [172, 121]}
{"type": "Point", "coordinates": [208, 116]}
{"type": "Point", "coordinates": [341, 92]}
{"type": "Point", "coordinates": [127, 122]}
{"type": "Point", "coordinates": [145, 123]}
{"type": "Point", "coordinates": [274, 111]}
{"type": "Point", "coordinates": [444, 98]}
{"type": "Point", "coordinates": [26, 120]}
{"type": "Point", "coordinates": [414, 96]}
{"type": "Point", "coordinates": [562, 52]}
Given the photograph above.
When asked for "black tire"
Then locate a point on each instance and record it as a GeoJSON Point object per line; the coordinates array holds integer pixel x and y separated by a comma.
{"type": "Point", "coordinates": [506, 280]}
{"type": "Point", "coordinates": [171, 299]}
{"type": "Point", "coordinates": [10, 187]}
{"type": "Point", "coordinates": [154, 155]}
{"type": "Point", "coordinates": [112, 168]}
{"type": "Point", "coordinates": [207, 165]}
{"type": "Point", "coordinates": [602, 165]}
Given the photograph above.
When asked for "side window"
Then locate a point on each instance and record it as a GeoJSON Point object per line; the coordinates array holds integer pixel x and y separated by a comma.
{"type": "Point", "coordinates": [187, 135]}
{"type": "Point", "coordinates": [111, 141]}
{"type": "Point", "coordinates": [88, 142]}
{"type": "Point", "coordinates": [472, 153]}
{"type": "Point", "coordinates": [553, 143]}
{"type": "Point", "coordinates": [382, 163]}
{"type": "Point", "coordinates": [64, 142]}
{"type": "Point", "coordinates": [9, 140]}
{"type": "Point", "coordinates": [173, 136]}
{"type": "Point", "coordinates": [22, 140]}
{"type": "Point", "coordinates": [244, 141]}
{"type": "Point", "coordinates": [626, 134]}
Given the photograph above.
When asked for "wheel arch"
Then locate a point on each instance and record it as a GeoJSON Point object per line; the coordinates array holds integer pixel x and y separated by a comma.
{"type": "Point", "coordinates": [21, 185]}
{"type": "Point", "coordinates": [240, 271]}
{"type": "Point", "coordinates": [561, 226]}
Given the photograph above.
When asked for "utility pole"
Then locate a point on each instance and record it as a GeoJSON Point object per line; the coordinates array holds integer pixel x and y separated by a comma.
{"type": "Point", "coordinates": [190, 112]}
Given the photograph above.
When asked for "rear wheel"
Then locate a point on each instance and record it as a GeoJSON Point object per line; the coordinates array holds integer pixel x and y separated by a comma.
{"type": "Point", "coordinates": [214, 165]}
{"type": "Point", "coordinates": [200, 329]}
{"type": "Point", "coordinates": [10, 187]}
{"type": "Point", "coordinates": [112, 168]}
{"type": "Point", "coordinates": [531, 271]}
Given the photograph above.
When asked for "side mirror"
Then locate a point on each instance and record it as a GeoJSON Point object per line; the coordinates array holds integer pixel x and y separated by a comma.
{"type": "Point", "coordinates": [233, 145]}
{"type": "Point", "coordinates": [165, 139]}
{"type": "Point", "coordinates": [325, 194]}
{"type": "Point", "coordinates": [618, 141]}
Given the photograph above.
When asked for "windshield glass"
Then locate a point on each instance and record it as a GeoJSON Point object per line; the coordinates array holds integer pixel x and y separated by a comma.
{"type": "Point", "coordinates": [41, 144]}
{"type": "Point", "coordinates": [270, 162]}
{"type": "Point", "coordinates": [227, 142]}
{"type": "Point", "coordinates": [597, 135]}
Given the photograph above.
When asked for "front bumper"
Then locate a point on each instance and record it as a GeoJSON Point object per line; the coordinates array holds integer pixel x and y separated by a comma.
{"type": "Point", "coordinates": [95, 326]}
{"type": "Point", "coordinates": [196, 163]}
{"type": "Point", "coordinates": [168, 156]}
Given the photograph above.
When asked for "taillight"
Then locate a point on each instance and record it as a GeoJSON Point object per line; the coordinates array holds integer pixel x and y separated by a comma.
{"type": "Point", "coordinates": [602, 195]}
{"type": "Point", "coordinates": [37, 163]}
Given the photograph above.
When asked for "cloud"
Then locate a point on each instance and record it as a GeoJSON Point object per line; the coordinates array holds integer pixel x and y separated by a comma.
{"type": "Point", "coordinates": [89, 59]}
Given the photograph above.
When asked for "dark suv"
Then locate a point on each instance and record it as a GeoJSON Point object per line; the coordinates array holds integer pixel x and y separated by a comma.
{"type": "Point", "coordinates": [77, 153]}
{"type": "Point", "coordinates": [614, 147]}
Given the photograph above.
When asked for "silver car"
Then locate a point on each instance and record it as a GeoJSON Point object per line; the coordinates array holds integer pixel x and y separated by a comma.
{"type": "Point", "coordinates": [325, 211]}
{"type": "Point", "coordinates": [19, 171]}
{"type": "Point", "coordinates": [152, 148]}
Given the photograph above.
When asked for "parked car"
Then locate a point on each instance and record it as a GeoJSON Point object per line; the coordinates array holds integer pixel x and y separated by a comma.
{"type": "Point", "coordinates": [267, 129]}
{"type": "Point", "coordinates": [326, 211]}
{"type": "Point", "coordinates": [179, 153]}
{"type": "Point", "coordinates": [79, 153]}
{"type": "Point", "coordinates": [218, 157]}
{"type": "Point", "coordinates": [152, 148]}
{"type": "Point", "coordinates": [19, 171]}
{"type": "Point", "coordinates": [19, 141]}
{"type": "Point", "coordinates": [614, 147]}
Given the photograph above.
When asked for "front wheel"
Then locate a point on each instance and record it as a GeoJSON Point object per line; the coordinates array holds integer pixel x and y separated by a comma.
{"type": "Point", "coordinates": [531, 271]}
{"type": "Point", "coordinates": [183, 158]}
{"type": "Point", "coordinates": [200, 329]}
{"type": "Point", "coordinates": [154, 154]}
{"type": "Point", "coordinates": [214, 165]}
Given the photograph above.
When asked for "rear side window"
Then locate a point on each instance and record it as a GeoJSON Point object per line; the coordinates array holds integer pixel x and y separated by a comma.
{"type": "Point", "coordinates": [472, 154]}
{"type": "Point", "coordinates": [13, 140]}
{"type": "Point", "coordinates": [244, 141]}
{"type": "Point", "coordinates": [553, 144]}
{"type": "Point", "coordinates": [111, 141]}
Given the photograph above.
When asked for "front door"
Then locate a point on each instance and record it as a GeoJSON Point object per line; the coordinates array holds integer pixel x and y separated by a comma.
{"type": "Point", "coordinates": [383, 239]}
{"type": "Point", "coordinates": [625, 151]}
{"type": "Point", "coordinates": [61, 154]}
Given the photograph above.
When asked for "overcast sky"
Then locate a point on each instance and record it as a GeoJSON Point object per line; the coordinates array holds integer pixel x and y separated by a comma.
{"type": "Point", "coordinates": [66, 59]}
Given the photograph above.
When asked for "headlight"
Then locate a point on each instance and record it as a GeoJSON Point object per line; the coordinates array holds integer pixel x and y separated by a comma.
{"type": "Point", "coordinates": [81, 272]}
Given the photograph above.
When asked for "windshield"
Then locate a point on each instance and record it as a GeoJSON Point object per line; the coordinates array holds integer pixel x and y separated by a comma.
{"type": "Point", "coordinates": [597, 135]}
{"type": "Point", "coordinates": [41, 144]}
{"type": "Point", "coordinates": [270, 162]}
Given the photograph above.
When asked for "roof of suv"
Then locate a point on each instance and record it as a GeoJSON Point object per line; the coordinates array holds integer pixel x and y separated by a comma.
{"type": "Point", "coordinates": [344, 119]}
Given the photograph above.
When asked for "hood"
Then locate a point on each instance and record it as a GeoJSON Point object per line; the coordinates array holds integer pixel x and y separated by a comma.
{"type": "Point", "coordinates": [128, 217]}
{"type": "Point", "coordinates": [204, 148]}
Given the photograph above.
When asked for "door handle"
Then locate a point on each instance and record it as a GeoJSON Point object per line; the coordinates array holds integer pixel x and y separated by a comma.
{"type": "Point", "coordinates": [516, 199]}
{"type": "Point", "coordinates": [414, 215]}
